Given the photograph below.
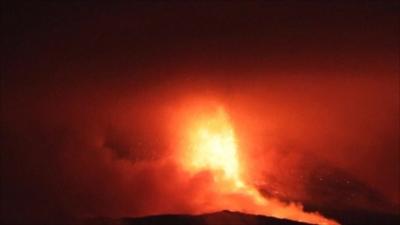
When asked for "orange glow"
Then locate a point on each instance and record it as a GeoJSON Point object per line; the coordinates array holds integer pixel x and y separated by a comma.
{"type": "Point", "coordinates": [213, 146]}
{"type": "Point", "coordinates": [209, 144]}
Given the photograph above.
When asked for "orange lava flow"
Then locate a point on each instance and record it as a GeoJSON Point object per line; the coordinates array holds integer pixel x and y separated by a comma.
{"type": "Point", "coordinates": [211, 145]}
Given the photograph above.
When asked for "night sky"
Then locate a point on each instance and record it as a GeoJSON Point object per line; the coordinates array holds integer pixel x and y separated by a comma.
{"type": "Point", "coordinates": [90, 92]}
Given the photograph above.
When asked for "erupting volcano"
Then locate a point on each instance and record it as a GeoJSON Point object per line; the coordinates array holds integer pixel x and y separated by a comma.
{"type": "Point", "coordinates": [210, 145]}
{"type": "Point", "coordinates": [200, 112]}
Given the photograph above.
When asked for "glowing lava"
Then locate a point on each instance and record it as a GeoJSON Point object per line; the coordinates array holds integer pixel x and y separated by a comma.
{"type": "Point", "coordinates": [211, 145]}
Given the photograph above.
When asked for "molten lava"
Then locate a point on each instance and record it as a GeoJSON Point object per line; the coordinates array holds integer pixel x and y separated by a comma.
{"type": "Point", "coordinates": [210, 145]}
{"type": "Point", "coordinates": [213, 146]}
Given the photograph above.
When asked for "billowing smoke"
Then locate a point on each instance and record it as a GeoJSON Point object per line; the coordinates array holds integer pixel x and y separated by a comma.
{"type": "Point", "coordinates": [86, 152]}
{"type": "Point", "coordinates": [89, 117]}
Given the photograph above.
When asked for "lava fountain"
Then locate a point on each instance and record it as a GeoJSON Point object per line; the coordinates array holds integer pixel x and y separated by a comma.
{"type": "Point", "coordinates": [209, 144]}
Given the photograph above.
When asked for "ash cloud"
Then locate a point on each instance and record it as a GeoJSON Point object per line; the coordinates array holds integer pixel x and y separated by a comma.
{"type": "Point", "coordinates": [84, 91]}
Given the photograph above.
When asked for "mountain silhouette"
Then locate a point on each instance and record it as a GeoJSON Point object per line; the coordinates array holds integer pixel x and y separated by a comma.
{"type": "Point", "coordinates": [226, 217]}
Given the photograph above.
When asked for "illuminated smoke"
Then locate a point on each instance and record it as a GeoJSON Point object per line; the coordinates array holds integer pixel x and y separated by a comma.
{"type": "Point", "coordinates": [209, 143]}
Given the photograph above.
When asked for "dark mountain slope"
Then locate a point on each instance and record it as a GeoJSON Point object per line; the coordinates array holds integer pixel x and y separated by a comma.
{"type": "Point", "coordinates": [237, 218]}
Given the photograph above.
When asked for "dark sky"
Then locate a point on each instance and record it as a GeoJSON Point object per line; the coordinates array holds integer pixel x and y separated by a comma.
{"type": "Point", "coordinates": [85, 89]}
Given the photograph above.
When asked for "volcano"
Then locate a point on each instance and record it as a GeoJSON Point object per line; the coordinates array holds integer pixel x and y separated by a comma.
{"type": "Point", "coordinates": [199, 112]}
{"type": "Point", "coordinates": [238, 218]}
